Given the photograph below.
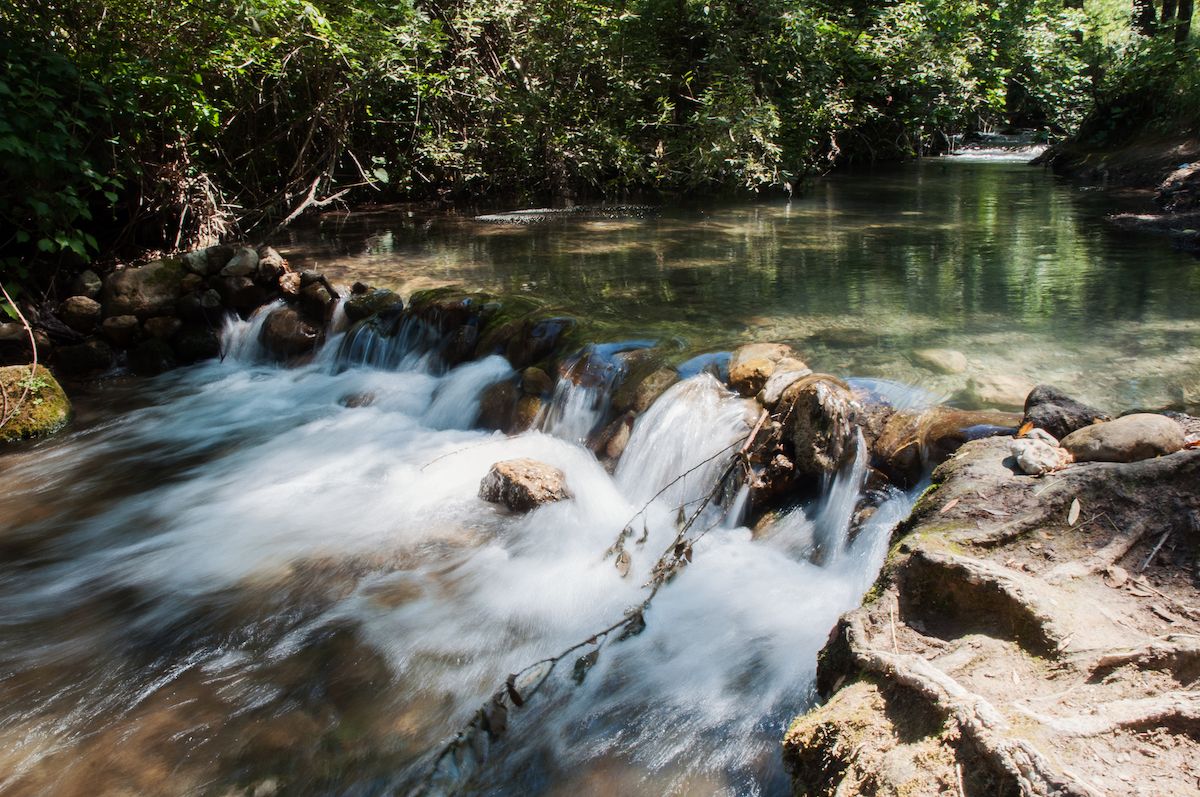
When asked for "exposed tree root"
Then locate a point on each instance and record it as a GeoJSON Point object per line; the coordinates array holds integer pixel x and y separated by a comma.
{"type": "Point", "coordinates": [977, 719]}
{"type": "Point", "coordinates": [1178, 653]}
{"type": "Point", "coordinates": [1174, 710]}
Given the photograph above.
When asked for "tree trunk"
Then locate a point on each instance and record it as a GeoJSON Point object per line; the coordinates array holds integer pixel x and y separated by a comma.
{"type": "Point", "coordinates": [1143, 17]}
{"type": "Point", "coordinates": [1183, 21]}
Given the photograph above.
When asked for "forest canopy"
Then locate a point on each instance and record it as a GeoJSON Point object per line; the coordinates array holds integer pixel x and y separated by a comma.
{"type": "Point", "coordinates": [168, 124]}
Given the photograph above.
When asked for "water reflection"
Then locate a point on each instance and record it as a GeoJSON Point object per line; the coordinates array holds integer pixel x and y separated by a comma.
{"type": "Point", "coordinates": [992, 257]}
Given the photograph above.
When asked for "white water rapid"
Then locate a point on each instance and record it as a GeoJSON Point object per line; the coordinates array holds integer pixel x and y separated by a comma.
{"type": "Point", "coordinates": [181, 559]}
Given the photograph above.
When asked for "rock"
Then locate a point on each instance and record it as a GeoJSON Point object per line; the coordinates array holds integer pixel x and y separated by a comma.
{"type": "Point", "coordinates": [271, 265]}
{"type": "Point", "coordinates": [241, 294]}
{"type": "Point", "coordinates": [997, 391]}
{"type": "Point", "coordinates": [46, 409]}
{"type": "Point", "coordinates": [244, 263]}
{"type": "Point", "coordinates": [121, 330]}
{"type": "Point", "coordinates": [1179, 192]}
{"type": "Point", "coordinates": [316, 302]}
{"type": "Point", "coordinates": [1127, 439]}
{"type": "Point", "coordinates": [208, 262]}
{"type": "Point", "coordinates": [526, 414]}
{"type": "Point", "coordinates": [204, 308]}
{"type": "Point", "coordinates": [10, 331]}
{"type": "Point", "coordinates": [151, 356]}
{"type": "Point", "coordinates": [356, 400]}
{"type": "Point", "coordinates": [650, 388]}
{"type": "Point", "coordinates": [536, 382]}
{"type": "Point", "coordinates": [787, 372]}
{"type": "Point", "coordinates": [164, 327]}
{"type": "Point", "coordinates": [286, 334]}
{"type": "Point", "coordinates": [497, 405]}
{"type": "Point", "coordinates": [753, 364]}
{"type": "Point", "coordinates": [1051, 409]}
{"type": "Point", "coordinates": [614, 439]}
{"type": "Point", "coordinates": [149, 290]}
{"type": "Point", "coordinates": [362, 305]}
{"type": "Point", "coordinates": [196, 343]}
{"type": "Point", "coordinates": [941, 361]}
{"type": "Point", "coordinates": [820, 412]}
{"type": "Point", "coordinates": [84, 359]}
{"type": "Point", "coordinates": [88, 284]}
{"type": "Point", "coordinates": [913, 441]}
{"type": "Point", "coordinates": [80, 313]}
{"type": "Point", "coordinates": [863, 744]}
{"type": "Point", "coordinates": [537, 339]}
{"type": "Point", "coordinates": [1036, 457]}
{"type": "Point", "coordinates": [289, 285]}
{"type": "Point", "coordinates": [523, 484]}
{"type": "Point", "coordinates": [191, 283]}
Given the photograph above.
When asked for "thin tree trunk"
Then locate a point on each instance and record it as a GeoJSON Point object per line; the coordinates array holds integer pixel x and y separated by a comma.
{"type": "Point", "coordinates": [1143, 17]}
{"type": "Point", "coordinates": [1183, 21]}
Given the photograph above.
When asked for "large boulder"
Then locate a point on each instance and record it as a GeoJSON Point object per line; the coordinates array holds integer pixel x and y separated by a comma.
{"type": "Point", "coordinates": [80, 313]}
{"type": "Point", "coordinates": [820, 412]}
{"type": "Point", "coordinates": [286, 333]}
{"type": "Point", "coordinates": [1049, 408]}
{"type": "Point", "coordinates": [523, 484]}
{"type": "Point", "coordinates": [149, 290]}
{"type": "Point", "coordinates": [1127, 439]}
{"type": "Point", "coordinates": [45, 409]}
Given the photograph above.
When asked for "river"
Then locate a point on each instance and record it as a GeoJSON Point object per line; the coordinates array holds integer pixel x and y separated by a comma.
{"type": "Point", "coordinates": [243, 579]}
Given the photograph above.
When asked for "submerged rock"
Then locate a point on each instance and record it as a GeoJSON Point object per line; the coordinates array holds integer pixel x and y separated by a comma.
{"type": "Point", "coordinates": [46, 409]}
{"type": "Point", "coordinates": [1127, 439]}
{"type": "Point", "coordinates": [997, 391]}
{"type": "Point", "coordinates": [1051, 409]}
{"type": "Point", "coordinates": [941, 361]}
{"type": "Point", "coordinates": [523, 484]}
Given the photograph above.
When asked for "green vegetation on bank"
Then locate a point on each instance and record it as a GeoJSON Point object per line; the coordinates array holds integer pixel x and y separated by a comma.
{"type": "Point", "coordinates": [139, 123]}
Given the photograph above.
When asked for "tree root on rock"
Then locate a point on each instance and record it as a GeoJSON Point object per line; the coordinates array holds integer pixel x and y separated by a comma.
{"type": "Point", "coordinates": [976, 718]}
{"type": "Point", "coordinates": [1176, 710]}
{"type": "Point", "coordinates": [1178, 653]}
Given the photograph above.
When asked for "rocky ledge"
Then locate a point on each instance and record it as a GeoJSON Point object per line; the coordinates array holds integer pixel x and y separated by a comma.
{"type": "Point", "coordinates": [1035, 635]}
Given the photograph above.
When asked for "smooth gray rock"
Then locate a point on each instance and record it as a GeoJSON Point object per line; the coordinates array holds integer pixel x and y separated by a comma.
{"type": "Point", "coordinates": [1127, 439]}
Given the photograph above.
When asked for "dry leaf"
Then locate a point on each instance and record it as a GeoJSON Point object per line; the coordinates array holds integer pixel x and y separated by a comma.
{"type": "Point", "coordinates": [1073, 515]}
{"type": "Point", "coordinates": [949, 505]}
{"type": "Point", "coordinates": [623, 562]}
{"type": "Point", "coordinates": [1025, 428]}
{"type": "Point", "coordinates": [1115, 576]}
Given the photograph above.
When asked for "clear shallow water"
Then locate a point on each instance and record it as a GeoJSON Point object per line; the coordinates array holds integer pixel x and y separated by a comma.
{"type": "Point", "coordinates": [982, 254]}
{"type": "Point", "coordinates": [226, 581]}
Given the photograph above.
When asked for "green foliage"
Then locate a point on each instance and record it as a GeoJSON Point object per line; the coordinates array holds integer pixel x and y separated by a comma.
{"type": "Point", "coordinates": [171, 124]}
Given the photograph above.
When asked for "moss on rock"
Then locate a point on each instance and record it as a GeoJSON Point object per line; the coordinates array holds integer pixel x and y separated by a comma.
{"type": "Point", "coordinates": [46, 408]}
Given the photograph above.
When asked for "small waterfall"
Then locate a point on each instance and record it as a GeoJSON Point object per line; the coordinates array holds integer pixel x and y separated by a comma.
{"type": "Point", "coordinates": [583, 395]}
{"type": "Point", "coordinates": [240, 339]}
{"type": "Point", "coordinates": [403, 345]}
{"type": "Point", "coordinates": [696, 420]}
{"type": "Point", "coordinates": [456, 402]}
{"type": "Point", "coordinates": [822, 531]}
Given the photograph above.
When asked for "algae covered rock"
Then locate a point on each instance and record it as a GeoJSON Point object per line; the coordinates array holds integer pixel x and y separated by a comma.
{"type": "Point", "coordinates": [45, 410]}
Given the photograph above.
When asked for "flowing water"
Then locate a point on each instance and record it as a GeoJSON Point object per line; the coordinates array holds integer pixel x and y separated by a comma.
{"type": "Point", "coordinates": [242, 579]}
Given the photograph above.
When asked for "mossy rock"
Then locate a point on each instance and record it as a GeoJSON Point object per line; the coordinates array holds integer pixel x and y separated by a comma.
{"type": "Point", "coordinates": [46, 409]}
